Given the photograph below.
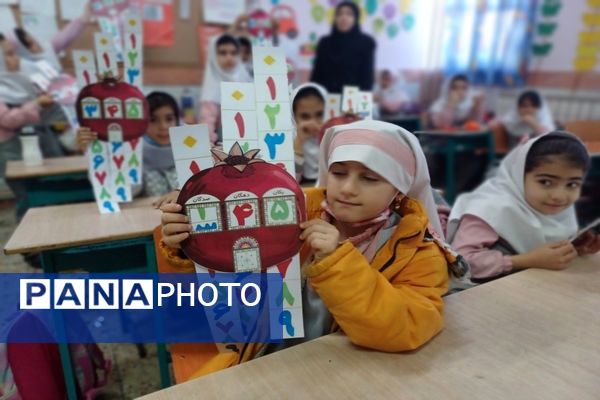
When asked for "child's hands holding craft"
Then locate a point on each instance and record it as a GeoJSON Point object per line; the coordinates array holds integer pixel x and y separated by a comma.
{"type": "Point", "coordinates": [176, 227]}
{"type": "Point", "coordinates": [168, 198]}
{"type": "Point", "coordinates": [321, 236]}
{"type": "Point", "coordinates": [85, 136]}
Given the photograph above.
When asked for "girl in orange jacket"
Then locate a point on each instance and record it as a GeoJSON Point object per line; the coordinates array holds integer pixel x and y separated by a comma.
{"type": "Point", "coordinates": [374, 266]}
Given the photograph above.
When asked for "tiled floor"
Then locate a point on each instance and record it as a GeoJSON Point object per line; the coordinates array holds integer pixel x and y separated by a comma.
{"type": "Point", "coordinates": [131, 376]}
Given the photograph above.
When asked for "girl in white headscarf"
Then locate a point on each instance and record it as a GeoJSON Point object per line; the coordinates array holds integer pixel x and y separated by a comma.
{"type": "Point", "coordinates": [308, 106]}
{"type": "Point", "coordinates": [524, 216]}
{"type": "Point", "coordinates": [371, 264]}
{"type": "Point", "coordinates": [456, 104]}
{"type": "Point", "coordinates": [223, 65]}
{"type": "Point", "coordinates": [38, 49]}
{"type": "Point", "coordinates": [529, 117]}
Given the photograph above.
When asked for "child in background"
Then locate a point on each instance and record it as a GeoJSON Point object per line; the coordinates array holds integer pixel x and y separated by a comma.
{"type": "Point", "coordinates": [223, 65]}
{"type": "Point", "coordinates": [36, 50]}
{"type": "Point", "coordinates": [159, 173]}
{"type": "Point", "coordinates": [60, 117]}
{"type": "Point", "coordinates": [530, 117]}
{"type": "Point", "coordinates": [374, 269]}
{"type": "Point", "coordinates": [388, 94]}
{"type": "Point", "coordinates": [456, 105]}
{"type": "Point", "coordinates": [20, 104]}
{"type": "Point", "coordinates": [524, 216]}
{"type": "Point", "coordinates": [246, 54]}
{"type": "Point", "coordinates": [308, 106]}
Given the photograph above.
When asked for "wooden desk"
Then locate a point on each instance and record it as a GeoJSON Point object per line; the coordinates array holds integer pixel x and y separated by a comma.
{"type": "Point", "coordinates": [530, 335]}
{"type": "Point", "coordinates": [77, 236]}
{"type": "Point", "coordinates": [69, 225]}
{"type": "Point", "coordinates": [57, 181]}
{"type": "Point", "coordinates": [450, 143]}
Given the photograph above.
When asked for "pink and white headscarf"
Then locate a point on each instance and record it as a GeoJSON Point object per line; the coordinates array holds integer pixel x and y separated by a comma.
{"type": "Point", "coordinates": [388, 150]}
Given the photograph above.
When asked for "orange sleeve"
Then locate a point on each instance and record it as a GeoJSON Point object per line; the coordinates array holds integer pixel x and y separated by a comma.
{"type": "Point", "coordinates": [170, 260]}
{"type": "Point", "coordinates": [389, 316]}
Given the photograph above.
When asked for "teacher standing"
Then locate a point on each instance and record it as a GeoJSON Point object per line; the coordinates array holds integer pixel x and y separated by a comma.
{"type": "Point", "coordinates": [346, 56]}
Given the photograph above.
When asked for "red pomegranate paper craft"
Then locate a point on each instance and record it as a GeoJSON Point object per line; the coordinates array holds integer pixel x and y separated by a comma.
{"type": "Point", "coordinates": [335, 121]}
{"type": "Point", "coordinates": [245, 213]}
{"type": "Point", "coordinates": [115, 110]}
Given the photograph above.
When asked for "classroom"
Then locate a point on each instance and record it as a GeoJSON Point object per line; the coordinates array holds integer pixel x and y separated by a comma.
{"type": "Point", "coordinates": [217, 199]}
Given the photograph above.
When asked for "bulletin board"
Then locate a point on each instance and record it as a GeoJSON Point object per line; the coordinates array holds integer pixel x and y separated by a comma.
{"type": "Point", "coordinates": [182, 60]}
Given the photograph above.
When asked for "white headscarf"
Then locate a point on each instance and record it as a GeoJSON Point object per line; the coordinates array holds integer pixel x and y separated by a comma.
{"type": "Point", "coordinates": [386, 149]}
{"type": "Point", "coordinates": [516, 127]}
{"type": "Point", "coordinates": [214, 74]}
{"type": "Point", "coordinates": [501, 203]}
{"type": "Point", "coordinates": [47, 54]}
{"type": "Point", "coordinates": [462, 109]}
{"type": "Point", "coordinates": [15, 87]}
{"type": "Point", "coordinates": [311, 146]}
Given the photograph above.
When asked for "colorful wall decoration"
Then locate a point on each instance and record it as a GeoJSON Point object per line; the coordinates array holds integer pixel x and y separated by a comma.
{"type": "Point", "coordinates": [393, 23]}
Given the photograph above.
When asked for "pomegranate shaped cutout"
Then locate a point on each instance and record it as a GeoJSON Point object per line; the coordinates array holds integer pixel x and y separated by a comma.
{"type": "Point", "coordinates": [245, 213]}
{"type": "Point", "coordinates": [115, 110]}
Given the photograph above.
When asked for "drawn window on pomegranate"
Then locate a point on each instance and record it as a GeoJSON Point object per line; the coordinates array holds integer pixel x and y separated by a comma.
{"type": "Point", "coordinates": [279, 206]}
{"type": "Point", "coordinates": [242, 210]}
{"type": "Point", "coordinates": [90, 108]}
{"type": "Point", "coordinates": [134, 108]}
{"type": "Point", "coordinates": [115, 132]}
{"type": "Point", "coordinates": [113, 108]}
{"type": "Point", "coordinates": [204, 212]}
{"type": "Point", "coordinates": [246, 255]}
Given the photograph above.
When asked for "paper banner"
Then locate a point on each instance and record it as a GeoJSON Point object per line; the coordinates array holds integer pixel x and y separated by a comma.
{"type": "Point", "coordinates": [350, 99]}
{"type": "Point", "coordinates": [333, 106]}
{"type": "Point", "coordinates": [238, 96]}
{"type": "Point", "coordinates": [99, 175]}
{"type": "Point", "coordinates": [365, 105]}
{"type": "Point", "coordinates": [105, 55]}
{"type": "Point", "coordinates": [191, 150]}
{"type": "Point", "coordinates": [85, 67]}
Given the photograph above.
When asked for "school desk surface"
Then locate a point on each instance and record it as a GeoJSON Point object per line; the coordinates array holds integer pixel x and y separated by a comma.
{"type": "Point", "coordinates": [77, 236]}
{"type": "Point", "coordinates": [49, 167]}
{"type": "Point", "coordinates": [530, 335]}
{"type": "Point", "coordinates": [57, 181]}
{"type": "Point", "coordinates": [56, 227]}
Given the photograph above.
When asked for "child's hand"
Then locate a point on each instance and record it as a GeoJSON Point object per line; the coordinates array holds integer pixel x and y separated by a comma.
{"type": "Point", "coordinates": [530, 120]}
{"type": "Point", "coordinates": [168, 198]}
{"type": "Point", "coordinates": [307, 130]}
{"type": "Point", "coordinates": [321, 236]}
{"type": "Point", "coordinates": [588, 243]}
{"type": "Point", "coordinates": [85, 136]}
{"type": "Point", "coordinates": [549, 256]}
{"type": "Point", "coordinates": [45, 100]}
{"type": "Point", "coordinates": [175, 226]}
